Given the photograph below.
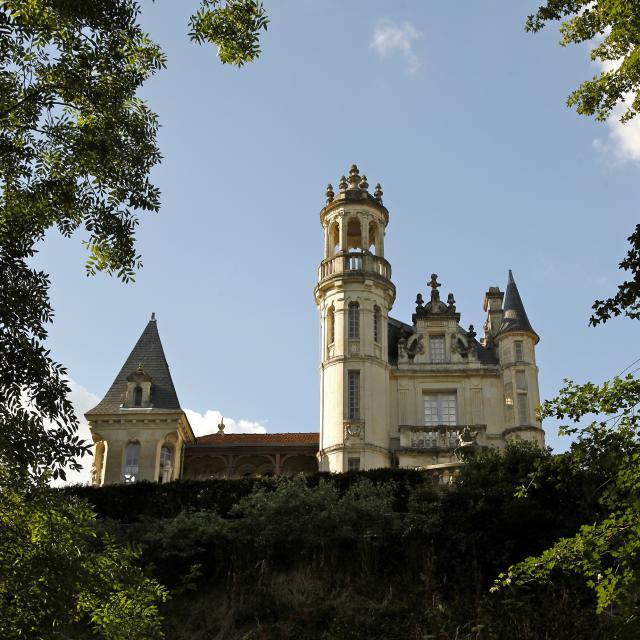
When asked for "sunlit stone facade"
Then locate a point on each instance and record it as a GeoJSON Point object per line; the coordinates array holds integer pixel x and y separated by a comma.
{"type": "Point", "coordinates": [424, 394]}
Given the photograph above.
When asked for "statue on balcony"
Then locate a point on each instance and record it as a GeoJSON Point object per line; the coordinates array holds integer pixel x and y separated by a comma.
{"type": "Point", "coordinates": [467, 444]}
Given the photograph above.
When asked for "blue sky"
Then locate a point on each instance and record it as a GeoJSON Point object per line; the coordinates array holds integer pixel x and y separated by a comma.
{"type": "Point", "coordinates": [451, 106]}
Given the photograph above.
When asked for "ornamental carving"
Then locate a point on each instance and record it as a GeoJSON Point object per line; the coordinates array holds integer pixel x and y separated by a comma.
{"type": "Point", "coordinates": [354, 430]}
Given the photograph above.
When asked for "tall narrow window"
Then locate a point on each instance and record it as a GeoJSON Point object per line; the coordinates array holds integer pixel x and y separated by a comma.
{"type": "Point", "coordinates": [519, 350]}
{"type": "Point", "coordinates": [165, 464]}
{"type": "Point", "coordinates": [376, 324]}
{"type": "Point", "coordinates": [354, 464]}
{"type": "Point", "coordinates": [440, 409]}
{"type": "Point", "coordinates": [331, 326]}
{"type": "Point", "coordinates": [131, 462]}
{"type": "Point", "coordinates": [137, 397]}
{"type": "Point", "coordinates": [354, 321]}
{"type": "Point", "coordinates": [436, 348]}
{"type": "Point", "coordinates": [354, 395]}
{"type": "Point", "coordinates": [521, 381]}
{"type": "Point", "coordinates": [523, 408]}
{"type": "Point", "coordinates": [508, 402]}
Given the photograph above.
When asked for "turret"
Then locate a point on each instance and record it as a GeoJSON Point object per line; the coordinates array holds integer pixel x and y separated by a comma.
{"type": "Point", "coordinates": [515, 340]}
{"type": "Point", "coordinates": [138, 427]}
{"type": "Point", "coordinates": [354, 295]}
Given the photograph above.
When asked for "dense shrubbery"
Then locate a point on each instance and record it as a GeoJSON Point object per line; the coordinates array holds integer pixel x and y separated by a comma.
{"type": "Point", "coordinates": [380, 554]}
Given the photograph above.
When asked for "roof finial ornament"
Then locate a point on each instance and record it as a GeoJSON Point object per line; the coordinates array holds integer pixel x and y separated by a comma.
{"type": "Point", "coordinates": [364, 185]}
{"type": "Point", "coordinates": [343, 184]}
{"type": "Point", "coordinates": [378, 193]}
{"type": "Point", "coordinates": [451, 302]}
{"type": "Point", "coordinates": [329, 193]}
{"type": "Point", "coordinates": [419, 302]}
{"type": "Point", "coordinates": [221, 426]}
{"type": "Point", "coordinates": [434, 284]}
{"type": "Point", "coordinates": [140, 368]}
{"type": "Point", "coordinates": [354, 177]}
{"type": "Point", "coordinates": [153, 316]}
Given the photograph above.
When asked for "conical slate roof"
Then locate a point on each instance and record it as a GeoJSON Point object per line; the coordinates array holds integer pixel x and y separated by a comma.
{"type": "Point", "coordinates": [515, 317]}
{"type": "Point", "coordinates": [149, 353]}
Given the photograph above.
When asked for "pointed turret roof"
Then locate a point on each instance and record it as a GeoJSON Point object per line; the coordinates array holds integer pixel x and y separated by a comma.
{"type": "Point", "coordinates": [149, 353]}
{"type": "Point", "coordinates": [515, 317]}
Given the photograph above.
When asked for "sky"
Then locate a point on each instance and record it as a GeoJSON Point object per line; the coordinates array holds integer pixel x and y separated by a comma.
{"type": "Point", "coordinates": [452, 107]}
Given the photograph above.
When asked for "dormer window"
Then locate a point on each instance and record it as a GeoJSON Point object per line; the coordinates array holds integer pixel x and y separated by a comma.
{"type": "Point", "coordinates": [436, 349]}
{"type": "Point", "coordinates": [138, 393]}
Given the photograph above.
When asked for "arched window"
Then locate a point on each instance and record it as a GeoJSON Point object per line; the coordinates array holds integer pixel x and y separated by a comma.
{"type": "Point", "coordinates": [334, 239]}
{"type": "Point", "coordinates": [354, 235]}
{"type": "Point", "coordinates": [166, 464]}
{"type": "Point", "coordinates": [137, 397]}
{"type": "Point", "coordinates": [331, 326]}
{"type": "Point", "coordinates": [376, 324]}
{"type": "Point", "coordinates": [131, 462]}
{"type": "Point", "coordinates": [354, 321]}
{"type": "Point", "coordinates": [373, 237]}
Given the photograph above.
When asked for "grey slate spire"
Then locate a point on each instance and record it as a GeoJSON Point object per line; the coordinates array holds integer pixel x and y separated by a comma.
{"type": "Point", "coordinates": [515, 317]}
{"type": "Point", "coordinates": [149, 353]}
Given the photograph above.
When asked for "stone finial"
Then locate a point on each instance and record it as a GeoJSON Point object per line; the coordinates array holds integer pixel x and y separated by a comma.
{"type": "Point", "coordinates": [434, 284]}
{"type": "Point", "coordinates": [140, 368]}
{"type": "Point", "coordinates": [153, 316]}
{"type": "Point", "coordinates": [451, 302]}
{"type": "Point", "coordinates": [378, 193]}
{"type": "Point", "coordinates": [343, 184]}
{"type": "Point", "coordinates": [221, 427]}
{"type": "Point", "coordinates": [354, 177]}
{"type": "Point", "coordinates": [364, 185]}
{"type": "Point", "coordinates": [329, 193]}
{"type": "Point", "coordinates": [471, 333]}
{"type": "Point", "coordinates": [419, 301]}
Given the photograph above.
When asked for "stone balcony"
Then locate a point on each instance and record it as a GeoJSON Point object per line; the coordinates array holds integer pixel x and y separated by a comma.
{"type": "Point", "coordinates": [435, 438]}
{"type": "Point", "coordinates": [359, 263]}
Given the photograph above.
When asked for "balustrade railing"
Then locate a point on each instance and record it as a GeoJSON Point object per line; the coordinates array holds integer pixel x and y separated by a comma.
{"type": "Point", "coordinates": [346, 262]}
{"type": "Point", "coordinates": [437, 437]}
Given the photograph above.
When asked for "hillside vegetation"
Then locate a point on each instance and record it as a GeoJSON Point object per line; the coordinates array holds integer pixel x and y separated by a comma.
{"type": "Point", "coordinates": [371, 555]}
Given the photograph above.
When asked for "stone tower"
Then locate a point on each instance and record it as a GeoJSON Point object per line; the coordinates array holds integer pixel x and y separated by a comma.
{"type": "Point", "coordinates": [138, 427]}
{"type": "Point", "coordinates": [354, 295]}
{"type": "Point", "coordinates": [515, 342]}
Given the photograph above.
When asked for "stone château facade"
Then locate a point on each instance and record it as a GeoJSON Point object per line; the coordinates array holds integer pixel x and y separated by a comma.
{"type": "Point", "coordinates": [392, 393]}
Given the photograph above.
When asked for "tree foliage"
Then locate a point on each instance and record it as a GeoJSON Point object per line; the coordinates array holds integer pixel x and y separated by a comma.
{"type": "Point", "coordinates": [58, 581]}
{"type": "Point", "coordinates": [613, 28]}
{"type": "Point", "coordinates": [76, 149]}
{"type": "Point", "coordinates": [605, 552]}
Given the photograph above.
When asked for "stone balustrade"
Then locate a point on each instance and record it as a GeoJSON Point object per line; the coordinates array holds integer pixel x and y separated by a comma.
{"type": "Point", "coordinates": [364, 262]}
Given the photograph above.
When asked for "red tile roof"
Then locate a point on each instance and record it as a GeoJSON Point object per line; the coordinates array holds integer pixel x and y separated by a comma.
{"type": "Point", "coordinates": [274, 439]}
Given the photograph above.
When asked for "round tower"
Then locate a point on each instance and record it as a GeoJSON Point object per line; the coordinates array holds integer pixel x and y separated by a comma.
{"type": "Point", "coordinates": [354, 295]}
{"type": "Point", "coordinates": [516, 341]}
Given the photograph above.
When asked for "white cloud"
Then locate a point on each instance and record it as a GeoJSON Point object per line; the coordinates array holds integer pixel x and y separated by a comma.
{"type": "Point", "coordinates": [203, 424]}
{"type": "Point", "coordinates": [82, 400]}
{"type": "Point", "coordinates": [390, 38]}
{"type": "Point", "coordinates": [623, 141]}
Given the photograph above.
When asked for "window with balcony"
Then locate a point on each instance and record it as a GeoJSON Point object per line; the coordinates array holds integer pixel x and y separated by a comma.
{"type": "Point", "coordinates": [436, 348]}
{"type": "Point", "coordinates": [354, 321]}
{"type": "Point", "coordinates": [440, 409]}
{"type": "Point", "coordinates": [353, 392]}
